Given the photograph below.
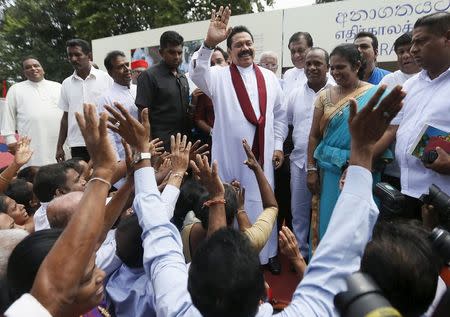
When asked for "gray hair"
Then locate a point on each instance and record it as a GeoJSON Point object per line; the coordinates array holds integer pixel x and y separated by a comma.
{"type": "Point", "coordinates": [9, 238]}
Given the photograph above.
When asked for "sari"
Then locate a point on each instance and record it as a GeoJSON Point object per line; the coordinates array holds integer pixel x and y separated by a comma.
{"type": "Point", "coordinates": [333, 152]}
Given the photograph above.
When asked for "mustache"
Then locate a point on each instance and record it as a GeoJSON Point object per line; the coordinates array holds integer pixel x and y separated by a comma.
{"type": "Point", "coordinates": [240, 54]}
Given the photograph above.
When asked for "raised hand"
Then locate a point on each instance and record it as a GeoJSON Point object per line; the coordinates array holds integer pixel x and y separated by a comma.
{"type": "Point", "coordinates": [289, 247]}
{"type": "Point", "coordinates": [208, 176]}
{"type": "Point", "coordinates": [135, 133]}
{"type": "Point", "coordinates": [179, 156]}
{"type": "Point", "coordinates": [197, 149]}
{"type": "Point", "coordinates": [97, 141]}
{"type": "Point", "coordinates": [156, 147]}
{"type": "Point", "coordinates": [369, 124]}
{"type": "Point", "coordinates": [218, 30]}
{"type": "Point", "coordinates": [240, 194]}
{"type": "Point", "coordinates": [251, 160]}
{"type": "Point", "coordinates": [23, 151]}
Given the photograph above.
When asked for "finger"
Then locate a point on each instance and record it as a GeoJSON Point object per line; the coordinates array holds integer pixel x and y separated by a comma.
{"type": "Point", "coordinates": [226, 15]}
{"type": "Point", "coordinates": [215, 168]}
{"type": "Point", "coordinates": [127, 149]}
{"type": "Point", "coordinates": [145, 119]}
{"type": "Point", "coordinates": [206, 163]}
{"type": "Point", "coordinates": [177, 141]}
{"type": "Point", "coordinates": [188, 147]}
{"type": "Point", "coordinates": [199, 162]}
{"type": "Point", "coordinates": [213, 15]}
{"type": "Point", "coordinates": [195, 145]}
{"type": "Point", "coordinates": [128, 117]}
{"type": "Point", "coordinates": [102, 125]}
{"type": "Point", "coordinates": [172, 144]}
{"type": "Point", "coordinates": [183, 142]}
{"type": "Point", "coordinates": [80, 120]}
{"type": "Point", "coordinates": [116, 114]}
{"type": "Point", "coordinates": [392, 102]}
{"type": "Point", "coordinates": [247, 148]}
{"type": "Point", "coordinates": [220, 12]}
{"type": "Point", "coordinates": [375, 99]}
{"type": "Point", "coordinates": [243, 192]}
{"type": "Point", "coordinates": [159, 150]}
{"type": "Point", "coordinates": [201, 149]}
{"type": "Point", "coordinates": [113, 128]}
{"type": "Point", "coordinates": [353, 109]}
{"type": "Point", "coordinates": [194, 168]}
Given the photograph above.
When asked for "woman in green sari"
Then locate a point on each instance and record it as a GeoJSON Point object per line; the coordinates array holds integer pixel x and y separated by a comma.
{"type": "Point", "coordinates": [329, 140]}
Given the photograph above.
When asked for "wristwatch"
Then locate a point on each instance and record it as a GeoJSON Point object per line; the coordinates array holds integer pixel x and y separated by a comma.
{"type": "Point", "coordinates": [139, 156]}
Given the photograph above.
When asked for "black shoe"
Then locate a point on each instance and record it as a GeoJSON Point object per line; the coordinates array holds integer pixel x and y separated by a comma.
{"type": "Point", "coordinates": [274, 265]}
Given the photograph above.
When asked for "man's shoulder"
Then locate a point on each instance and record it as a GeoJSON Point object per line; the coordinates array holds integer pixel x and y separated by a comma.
{"type": "Point", "coordinates": [382, 71]}
{"type": "Point", "coordinates": [52, 83]}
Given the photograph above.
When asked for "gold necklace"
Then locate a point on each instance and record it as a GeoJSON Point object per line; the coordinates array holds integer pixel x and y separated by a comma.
{"type": "Point", "coordinates": [341, 93]}
{"type": "Point", "coordinates": [103, 311]}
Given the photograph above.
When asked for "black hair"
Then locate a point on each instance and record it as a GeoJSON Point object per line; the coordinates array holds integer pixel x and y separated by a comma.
{"type": "Point", "coordinates": [19, 190]}
{"type": "Point", "coordinates": [25, 260]}
{"type": "Point", "coordinates": [129, 243]}
{"type": "Point", "coordinates": [225, 55]}
{"type": "Point", "coordinates": [236, 30]}
{"type": "Point", "coordinates": [28, 173]}
{"type": "Point", "coordinates": [48, 179]}
{"type": "Point", "coordinates": [3, 205]}
{"type": "Point", "coordinates": [401, 260]}
{"type": "Point", "coordinates": [27, 57]}
{"type": "Point", "coordinates": [438, 22]}
{"type": "Point", "coordinates": [110, 57]}
{"type": "Point", "coordinates": [352, 55]}
{"type": "Point", "coordinates": [371, 35]}
{"type": "Point", "coordinates": [190, 193]}
{"type": "Point", "coordinates": [236, 284]}
{"type": "Point", "coordinates": [171, 38]}
{"type": "Point", "coordinates": [85, 47]}
{"type": "Point", "coordinates": [404, 39]}
{"type": "Point", "coordinates": [74, 163]}
{"type": "Point", "coordinates": [231, 206]}
{"type": "Point", "coordinates": [327, 56]}
{"type": "Point", "coordinates": [298, 35]}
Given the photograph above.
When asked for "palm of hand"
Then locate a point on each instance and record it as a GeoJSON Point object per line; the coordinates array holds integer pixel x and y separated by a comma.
{"type": "Point", "coordinates": [217, 31]}
{"type": "Point", "coordinates": [22, 156]}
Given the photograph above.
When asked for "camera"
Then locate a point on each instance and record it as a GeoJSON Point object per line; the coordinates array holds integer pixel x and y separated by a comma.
{"type": "Point", "coordinates": [363, 298]}
{"type": "Point", "coordinates": [441, 243]}
{"type": "Point", "coordinates": [441, 202]}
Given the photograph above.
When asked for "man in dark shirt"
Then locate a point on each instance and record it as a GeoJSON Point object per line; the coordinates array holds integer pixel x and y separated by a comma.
{"type": "Point", "coordinates": [164, 90]}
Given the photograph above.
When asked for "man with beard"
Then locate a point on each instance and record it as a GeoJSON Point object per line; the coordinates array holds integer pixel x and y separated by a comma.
{"type": "Point", "coordinates": [247, 103]}
{"type": "Point", "coordinates": [85, 85]}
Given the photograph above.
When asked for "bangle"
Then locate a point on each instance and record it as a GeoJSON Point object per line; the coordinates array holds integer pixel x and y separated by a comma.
{"type": "Point", "coordinates": [213, 202]}
{"type": "Point", "coordinates": [177, 175]}
{"type": "Point", "coordinates": [4, 179]}
{"type": "Point", "coordinates": [239, 211]}
{"type": "Point", "coordinates": [100, 180]}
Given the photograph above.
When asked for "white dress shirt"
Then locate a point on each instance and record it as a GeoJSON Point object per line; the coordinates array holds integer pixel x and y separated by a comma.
{"type": "Point", "coordinates": [426, 102]}
{"type": "Point", "coordinates": [32, 110]}
{"type": "Point", "coordinates": [396, 78]}
{"type": "Point", "coordinates": [126, 97]}
{"type": "Point", "coordinates": [27, 305]}
{"type": "Point", "coordinates": [301, 101]}
{"type": "Point", "coordinates": [40, 218]}
{"type": "Point", "coordinates": [343, 244]}
{"type": "Point", "coordinates": [293, 79]}
{"type": "Point", "coordinates": [76, 91]}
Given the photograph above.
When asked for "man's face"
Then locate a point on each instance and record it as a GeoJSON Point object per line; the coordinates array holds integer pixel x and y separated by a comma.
{"type": "Point", "coordinates": [405, 60]}
{"type": "Point", "coordinates": [78, 59]}
{"type": "Point", "coordinates": [33, 70]}
{"type": "Point", "coordinates": [74, 181]}
{"type": "Point", "coordinates": [120, 71]}
{"type": "Point", "coordinates": [269, 62]}
{"type": "Point", "coordinates": [299, 49]}
{"type": "Point", "coordinates": [242, 51]}
{"type": "Point", "coordinates": [430, 51]}
{"type": "Point", "coordinates": [218, 59]}
{"type": "Point", "coordinates": [366, 49]}
{"type": "Point", "coordinates": [316, 67]}
{"type": "Point", "coordinates": [172, 55]}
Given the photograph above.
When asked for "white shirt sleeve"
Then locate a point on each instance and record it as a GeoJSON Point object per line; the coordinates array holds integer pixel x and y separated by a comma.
{"type": "Point", "coordinates": [200, 70]}
{"type": "Point", "coordinates": [170, 196]}
{"type": "Point", "coordinates": [27, 305]}
{"type": "Point", "coordinates": [63, 101]}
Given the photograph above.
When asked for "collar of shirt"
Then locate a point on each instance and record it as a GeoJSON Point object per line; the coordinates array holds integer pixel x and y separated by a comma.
{"type": "Point", "coordinates": [245, 70]}
{"type": "Point", "coordinates": [330, 82]}
{"type": "Point", "coordinates": [163, 64]}
{"type": "Point", "coordinates": [33, 83]}
{"type": "Point", "coordinates": [117, 86]}
{"type": "Point", "coordinates": [424, 75]}
{"type": "Point", "coordinates": [92, 74]}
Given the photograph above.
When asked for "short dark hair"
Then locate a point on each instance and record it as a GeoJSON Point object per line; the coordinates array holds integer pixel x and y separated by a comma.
{"type": "Point", "coordinates": [298, 35]}
{"type": "Point", "coordinates": [129, 243]}
{"type": "Point", "coordinates": [170, 38]}
{"type": "Point", "coordinates": [19, 190]}
{"type": "Point", "coordinates": [28, 173]}
{"type": "Point", "coordinates": [371, 35]}
{"type": "Point", "coordinates": [26, 258]}
{"type": "Point", "coordinates": [85, 47]}
{"type": "Point", "coordinates": [110, 57]}
{"type": "Point", "coordinates": [401, 260]}
{"type": "Point", "coordinates": [236, 30]}
{"type": "Point", "coordinates": [3, 205]}
{"type": "Point", "coordinates": [327, 56]}
{"type": "Point", "coordinates": [236, 285]}
{"type": "Point", "coordinates": [404, 39]}
{"type": "Point", "coordinates": [74, 163]}
{"type": "Point", "coordinates": [351, 54]}
{"type": "Point", "coordinates": [218, 48]}
{"type": "Point", "coordinates": [438, 22]}
{"type": "Point", "coordinates": [231, 206]}
{"type": "Point", "coordinates": [48, 179]}
{"type": "Point", "coordinates": [27, 57]}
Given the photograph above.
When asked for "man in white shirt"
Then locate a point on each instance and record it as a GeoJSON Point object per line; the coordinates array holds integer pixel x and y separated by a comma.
{"type": "Point", "coordinates": [427, 102]}
{"type": "Point", "coordinates": [32, 110]}
{"type": "Point", "coordinates": [85, 85]}
{"type": "Point", "coordinates": [247, 103]}
{"type": "Point", "coordinates": [407, 69]}
{"type": "Point", "coordinates": [299, 45]}
{"type": "Point", "coordinates": [301, 101]}
{"type": "Point", "coordinates": [121, 91]}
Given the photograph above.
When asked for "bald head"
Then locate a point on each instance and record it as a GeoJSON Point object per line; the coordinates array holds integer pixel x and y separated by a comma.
{"type": "Point", "coordinates": [9, 238]}
{"type": "Point", "coordinates": [269, 60]}
{"type": "Point", "coordinates": [61, 209]}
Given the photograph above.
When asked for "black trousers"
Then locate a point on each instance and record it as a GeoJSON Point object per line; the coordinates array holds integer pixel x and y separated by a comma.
{"type": "Point", "coordinates": [80, 152]}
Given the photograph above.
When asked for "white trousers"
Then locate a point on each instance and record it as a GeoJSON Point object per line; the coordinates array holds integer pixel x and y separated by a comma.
{"type": "Point", "coordinates": [300, 207]}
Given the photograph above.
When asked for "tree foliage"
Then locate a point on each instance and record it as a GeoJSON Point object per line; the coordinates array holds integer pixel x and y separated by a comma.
{"type": "Point", "coordinates": [41, 27]}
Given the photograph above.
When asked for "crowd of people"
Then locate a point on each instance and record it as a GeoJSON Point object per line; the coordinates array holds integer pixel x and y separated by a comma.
{"type": "Point", "coordinates": [181, 188]}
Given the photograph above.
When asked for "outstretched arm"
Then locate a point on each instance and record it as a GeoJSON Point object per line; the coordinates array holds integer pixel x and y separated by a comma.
{"type": "Point", "coordinates": [22, 155]}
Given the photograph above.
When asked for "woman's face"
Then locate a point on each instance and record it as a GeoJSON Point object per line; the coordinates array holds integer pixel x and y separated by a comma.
{"type": "Point", "coordinates": [16, 211]}
{"type": "Point", "coordinates": [90, 291]}
{"type": "Point", "coordinates": [342, 71]}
